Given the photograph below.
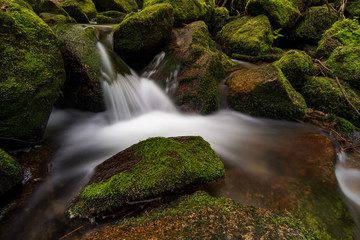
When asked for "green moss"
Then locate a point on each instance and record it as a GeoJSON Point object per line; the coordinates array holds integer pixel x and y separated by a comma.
{"type": "Point", "coordinates": [345, 62]}
{"type": "Point", "coordinates": [31, 73]}
{"type": "Point", "coordinates": [281, 13]}
{"type": "Point", "coordinates": [324, 94]}
{"type": "Point", "coordinates": [219, 19]}
{"type": "Point", "coordinates": [353, 9]}
{"type": "Point", "coordinates": [110, 17]}
{"type": "Point", "coordinates": [247, 35]}
{"type": "Point", "coordinates": [165, 165]}
{"type": "Point", "coordinates": [262, 58]}
{"type": "Point", "coordinates": [51, 19]}
{"type": "Point", "coordinates": [316, 21]}
{"type": "Point", "coordinates": [48, 6]}
{"type": "Point", "coordinates": [10, 172]}
{"type": "Point", "coordinates": [345, 33]}
{"type": "Point", "coordinates": [296, 66]}
{"type": "Point", "coordinates": [187, 11]}
{"type": "Point", "coordinates": [86, 6]}
{"type": "Point", "coordinates": [126, 6]}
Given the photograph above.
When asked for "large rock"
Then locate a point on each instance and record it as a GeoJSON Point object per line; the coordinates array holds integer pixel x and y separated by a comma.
{"type": "Point", "coordinates": [139, 37]}
{"type": "Point", "coordinates": [10, 172]}
{"type": "Point", "coordinates": [82, 88]}
{"type": "Point", "coordinates": [324, 94]}
{"type": "Point", "coordinates": [247, 35]}
{"type": "Point", "coordinates": [313, 25]}
{"type": "Point", "coordinates": [86, 6]}
{"type": "Point", "coordinates": [345, 62]}
{"type": "Point", "coordinates": [110, 17]}
{"type": "Point", "coordinates": [125, 6]}
{"type": "Point", "coordinates": [264, 91]}
{"type": "Point", "coordinates": [32, 72]}
{"type": "Point", "coordinates": [281, 13]}
{"type": "Point", "coordinates": [188, 11]}
{"type": "Point", "coordinates": [341, 33]}
{"type": "Point", "coordinates": [149, 169]}
{"type": "Point", "coordinates": [296, 66]}
{"type": "Point", "coordinates": [201, 216]}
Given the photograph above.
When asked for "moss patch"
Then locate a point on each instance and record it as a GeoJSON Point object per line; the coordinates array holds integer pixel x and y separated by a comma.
{"type": "Point", "coordinates": [10, 172]}
{"type": "Point", "coordinates": [31, 73]}
{"type": "Point", "coordinates": [163, 165]}
{"type": "Point", "coordinates": [86, 6]}
{"type": "Point", "coordinates": [52, 19]}
{"type": "Point", "coordinates": [126, 6]}
{"type": "Point", "coordinates": [110, 17]}
{"type": "Point", "coordinates": [247, 35]}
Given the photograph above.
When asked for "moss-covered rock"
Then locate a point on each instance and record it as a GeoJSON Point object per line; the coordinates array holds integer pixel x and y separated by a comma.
{"type": "Point", "coordinates": [353, 9]}
{"type": "Point", "coordinates": [140, 36]}
{"type": "Point", "coordinates": [31, 75]}
{"type": "Point", "coordinates": [247, 35]}
{"type": "Point", "coordinates": [302, 5]}
{"type": "Point", "coordinates": [219, 19]}
{"type": "Point", "coordinates": [324, 94]}
{"type": "Point", "coordinates": [126, 6]}
{"type": "Point", "coordinates": [281, 13]}
{"type": "Point", "coordinates": [201, 216]}
{"type": "Point", "coordinates": [341, 33]}
{"type": "Point", "coordinates": [52, 19]}
{"type": "Point", "coordinates": [110, 17]}
{"type": "Point", "coordinates": [76, 12]}
{"type": "Point", "coordinates": [296, 66]}
{"type": "Point", "coordinates": [345, 62]}
{"type": "Point", "coordinates": [86, 6]}
{"type": "Point", "coordinates": [10, 172]}
{"type": "Point", "coordinates": [151, 168]}
{"type": "Point", "coordinates": [48, 6]}
{"type": "Point", "coordinates": [187, 11]}
{"type": "Point", "coordinates": [316, 20]}
{"type": "Point", "coordinates": [264, 91]}
{"type": "Point", "coordinates": [82, 88]}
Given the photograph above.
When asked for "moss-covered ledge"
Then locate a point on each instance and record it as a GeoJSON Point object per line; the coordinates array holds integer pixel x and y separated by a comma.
{"type": "Point", "coordinates": [148, 169]}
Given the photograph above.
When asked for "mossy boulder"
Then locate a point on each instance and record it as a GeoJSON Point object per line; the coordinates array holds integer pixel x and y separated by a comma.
{"type": "Point", "coordinates": [82, 88]}
{"type": "Point", "coordinates": [140, 36]}
{"type": "Point", "coordinates": [302, 5]}
{"type": "Point", "coordinates": [296, 66]}
{"type": "Point", "coordinates": [187, 11]}
{"type": "Point", "coordinates": [52, 19]}
{"type": "Point", "coordinates": [264, 91]}
{"type": "Point", "coordinates": [110, 17]}
{"type": "Point", "coordinates": [48, 6]}
{"type": "Point", "coordinates": [315, 22]}
{"type": "Point", "coordinates": [219, 19]}
{"type": "Point", "coordinates": [32, 73]}
{"type": "Point", "coordinates": [76, 12]}
{"type": "Point", "coordinates": [201, 216]}
{"type": "Point", "coordinates": [247, 35]}
{"type": "Point", "coordinates": [10, 172]}
{"type": "Point", "coordinates": [86, 6]}
{"type": "Point", "coordinates": [341, 33]}
{"type": "Point", "coordinates": [323, 93]}
{"type": "Point", "coordinates": [345, 62]}
{"type": "Point", "coordinates": [281, 13]}
{"type": "Point", "coordinates": [151, 168]}
{"type": "Point", "coordinates": [126, 6]}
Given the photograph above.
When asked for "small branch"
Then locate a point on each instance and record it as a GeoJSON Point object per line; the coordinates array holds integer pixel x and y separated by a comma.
{"type": "Point", "coordinates": [224, 3]}
{"type": "Point", "coordinates": [71, 232]}
{"type": "Point", "coordinates": [19, 140]}
{"type": "Point", "coordinates": [144, 201]}
{"type": "Point", "coordinates": [342, 90]}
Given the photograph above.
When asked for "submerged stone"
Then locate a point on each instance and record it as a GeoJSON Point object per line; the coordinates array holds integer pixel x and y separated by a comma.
{"type": "Point", "coordinates": [149, 169]}
{"type": "Point", "coordinates": [323, 93]}
{"type": "Point", "coordinates": [264, 91]}
{"type": "Point", "coordinates": [140, 36]}
{"type": "Point", "coordinates": [247, 35]}
{"type": "Point", "coordinates": [345, 62]}
{"type": "Point", "coordinates": [281, 13]}
{"type": "Point", "coordinates": [126, 6]}
{"type": "Point", "coordinates": [82, 88]}
{"type": "Point", "coordinates": [110, 17]}
{"type": "Point", "coordinates": [188, 11]}
{"type": "Point", "coordinates": [10, 172]}
{"type": "Point", "coordinates": [31, 73]}
{"type": "Point", "coordinates": [201, 216]}
{"type": "Point", "coordinates": [296, 66]}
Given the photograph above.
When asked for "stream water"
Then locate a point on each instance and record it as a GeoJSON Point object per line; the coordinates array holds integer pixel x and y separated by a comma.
{"type": "Point", "coordinates": [136, 110]}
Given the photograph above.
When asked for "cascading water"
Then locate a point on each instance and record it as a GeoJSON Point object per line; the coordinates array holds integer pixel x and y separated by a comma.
{"type": "Point", "coordinates": [136, 110]}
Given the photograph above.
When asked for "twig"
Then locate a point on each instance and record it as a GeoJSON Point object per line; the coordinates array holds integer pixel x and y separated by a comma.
{"type": "Point", "coordinates": [144, 201]}
{"type": "Point", "coordinates": [323, 65]}
{"type": "Point", "coordinates": [70, 232]}
{"type": "Point", "coordinates": [357, 111]}
{"type": "Point", "coordinates": [18, 140]}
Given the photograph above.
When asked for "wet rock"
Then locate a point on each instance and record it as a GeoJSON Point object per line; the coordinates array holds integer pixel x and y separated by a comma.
{"type": "Point", "coordinates": [126, 6]}
{"type": "Point", "coordinates": [281, 13]}
{"type": "Point", "coordinates": [10, 172]}
{"type": "Point", "coordinates": [189, 11]}
{"type": "Point", "coordinates": [32, 72]}
{"type": "Point", "coordinates": [264, 91]}
{"type": "Point", "coordinates": [345, 62]}
{"type": "Point", "coordinates": [324, 94]}
{"type": "Point", "coordinates": [341, 33]}
{"type": "Point", "coordinates": [200, 216]}
{"type": "Point", "coordinates": [82, 88]}
{"type": "Point", "coordinates": [142, 35]}
{"type": "Point", "coordinates": [149, 169]}
{"type": "Point", "coordinates": [110, 17]}
{"type": "Point", "coordinates": [246, 35]}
